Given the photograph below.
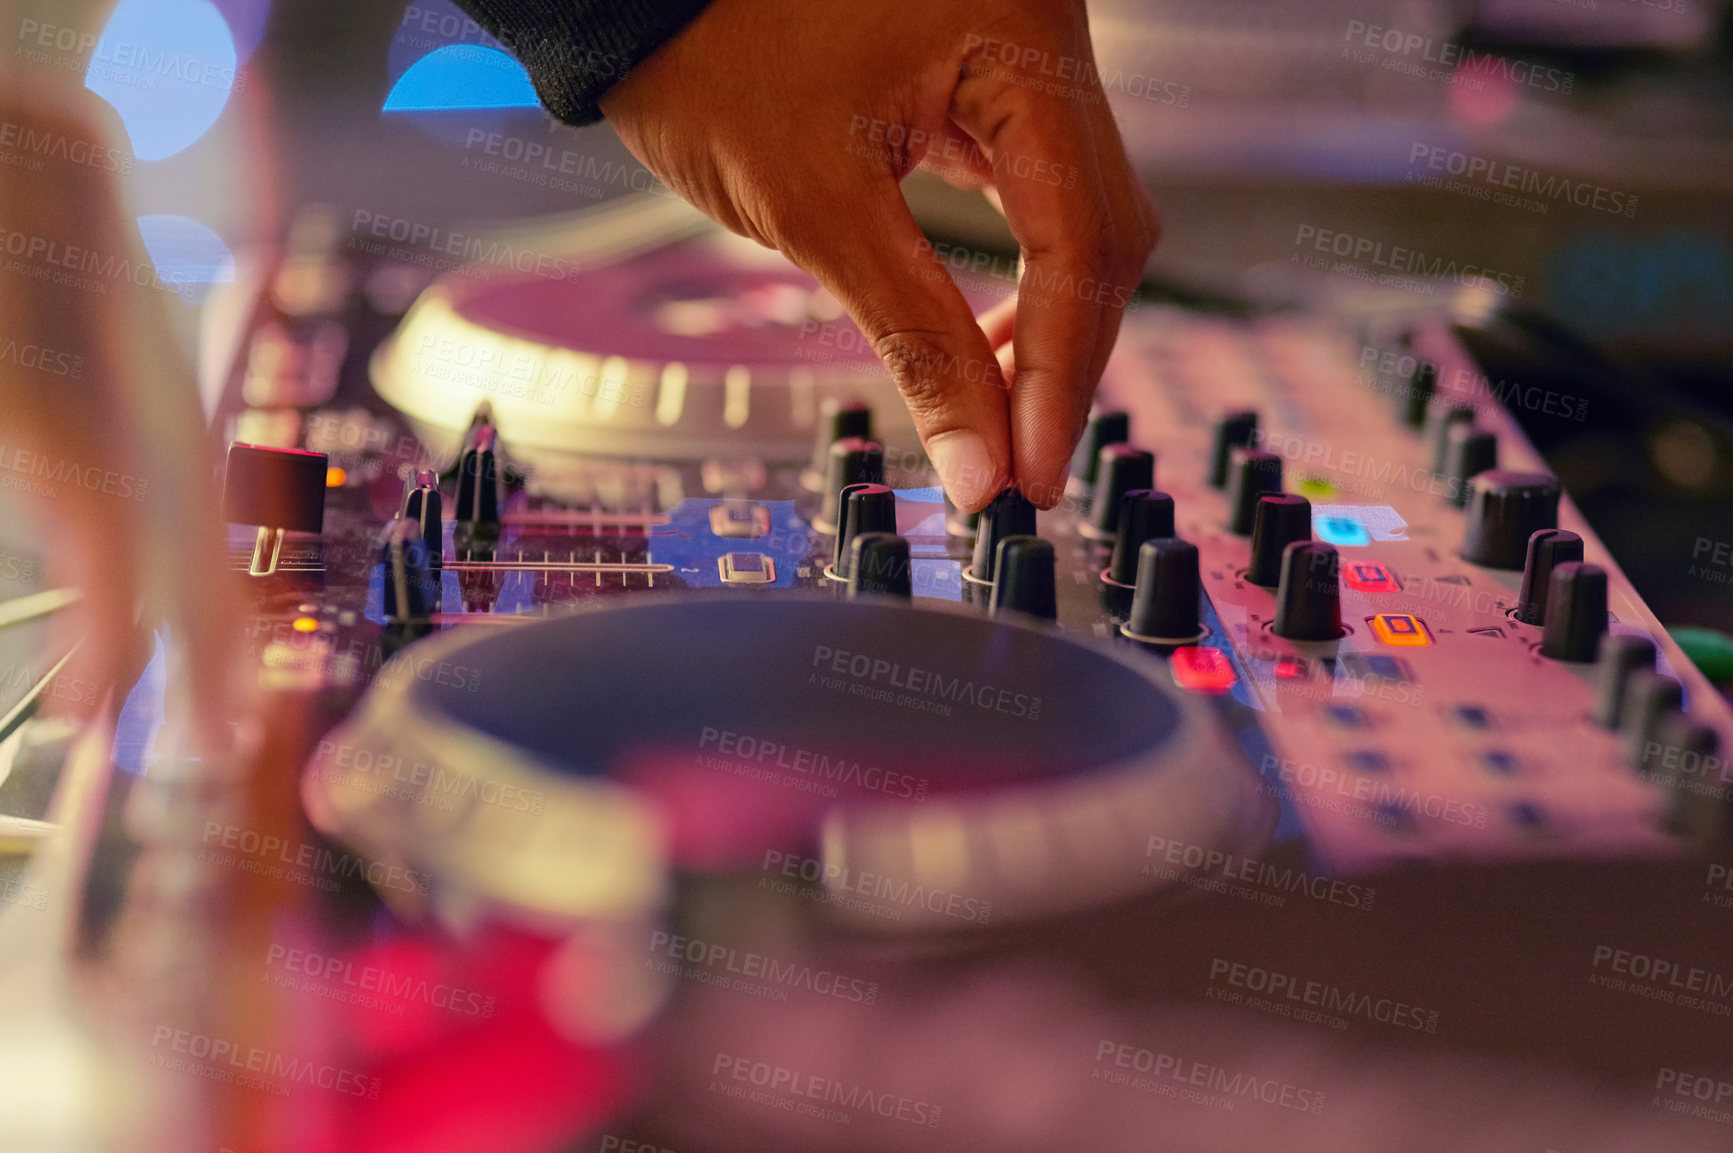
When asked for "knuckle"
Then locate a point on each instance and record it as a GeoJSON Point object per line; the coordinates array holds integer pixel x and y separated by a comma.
{"type": "Point", "coordinates": [916, 361]}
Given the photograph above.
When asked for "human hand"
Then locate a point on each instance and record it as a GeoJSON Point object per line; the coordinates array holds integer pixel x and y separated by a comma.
{"type": "Point", "coordinates": [792, 122]}
{"type": "Point", "coordinates": [108, 413]}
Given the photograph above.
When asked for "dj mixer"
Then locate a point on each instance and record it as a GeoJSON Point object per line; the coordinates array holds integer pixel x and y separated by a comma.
{"type": "Point", "coordinates": [1309, 777]}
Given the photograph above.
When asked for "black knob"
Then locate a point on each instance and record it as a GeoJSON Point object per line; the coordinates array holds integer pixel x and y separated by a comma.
{"type": "Point", "coordinates": [1648, 697]}
{"type": "Point", "coordinates": [1309, 597]}
{"type": "Point", "coordinates": [422, 507]}
{"type": "Point", "coordinates": [878, 564]}
{"type": "Point", "coordinates": [1008, 514]}
{"type": "Point", "coordinates": [1104, 429]}
{"type": "Point", "coordinates": [477, 512]}
{"type": "Point", "coordinates": [1504, 509]}
{"type": "Point", "coordinates": [1119, 469]}
{"type": "Point", "coordinates": [1622, 656]}
{"type": "Point", "coordinates": [1682, 760]}
{"type": "Point", "coordinates": [411, 587]}
{"type": "Point", "coordinates": [838, 420]}
{"type": "Point", "coordinates": [1469, 451]}
{"type": "Point", "coordinates": [851, 461]}
{"type": "Point", "coordinates": [1576, 612]}
{"type": "Point", "coordinates": [1164, 609]}
{"type": "Point", "coordinates": [1547, 549]}
{"type": "Point", "coordinates": [1251, 474]}
{"type": "Point", "coordinates": [278, 488]}
{"type": "Point", "coordinates": [1280, 520]}
{"type": "Point", "coordinates": [1237, 429]}
{"type": "Point", "coordinates": [1443, 420]}
{"type": "Point", "coordinates": [1422, 383]}
{"type": "Point", "coordinates": [867, 508]}
{"type": "Point", "coordinates": [1024, 578]}
{"type": "Point", "coordinates": [1143, 515]}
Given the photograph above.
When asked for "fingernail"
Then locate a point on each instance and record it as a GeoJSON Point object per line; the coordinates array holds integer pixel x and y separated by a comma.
{"type": "Point", "coordinates": [965, 468]}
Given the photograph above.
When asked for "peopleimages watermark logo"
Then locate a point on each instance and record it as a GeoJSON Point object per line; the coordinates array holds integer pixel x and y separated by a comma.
{"type": "Point", "coordinates": [1382, 795]}
{"type": "Point", "coordinates": [926, 690]}
{"type": "Point", "coordinates": [860, 891]}
{"type": "Point", "coordinates": [1072, 77]}
{"type": "Point", "coordinates": [27, 894]}
{"type": "Point", "coordinates": [381, 234]}
{"type": "Point", "coordinates": [1213, 1086]}
{"type": "Point", "coordinates": [1712, 561]}
{"type": "Point", "coordinates": [299, 862]}
{"type": "Point", "coordinates": [747, 971]}
{"type": "Point", "coordinates": [367, 986]}
{"type": "Point", "coordinates": [1412, 52]}
{"type": "Point", "coordinates": [249, 1066]}
{"type": "Point", "coordinates": [42, 474]}
{"type": "Point", "coordinates": [1394, 372]}
{"type": "Point", "coordinates": [1511, 185]}
{"type": "Point", "coordinates": [24, 146]}
{"type": "Point", "coordinates": [1719, 876]}
{"type": "Point", "coordinates": [1315, 1002]}
{"type": "Point", "coordinates": [1396, 265]}
{"type": "Point", "coordinates": [763, 1083]}
{"type": "Point", "coordinates": [746, 755]}
{"type": "Point", "coordinates": [363, 769]}
{"type": "Point", "coordinates": [1216, 871]}
{"type": "Point", "coordinates": [1661, 979]}
{"type": "Point", "coordinates": [1694, 1095]}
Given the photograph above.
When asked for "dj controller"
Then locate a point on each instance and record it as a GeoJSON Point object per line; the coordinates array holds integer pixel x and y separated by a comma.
{"type": "Point", "coordinates": [1310, 777]}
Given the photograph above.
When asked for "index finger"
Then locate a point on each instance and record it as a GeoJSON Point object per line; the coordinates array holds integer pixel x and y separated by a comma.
{"type": "Point", "coordinates": [1059, 205]}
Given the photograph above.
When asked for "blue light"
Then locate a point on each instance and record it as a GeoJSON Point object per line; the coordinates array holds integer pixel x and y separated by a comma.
{"type": "Point", "coordinates": [462, 76]}
{"type": "Point", "coordinates": [186, 253]}
{"type": "Point", "coordinates": [142, 715]}
{"type": "Point", "coordinates": [1341, 531]}
{"type": "Point", "coordinates": [168, 67]}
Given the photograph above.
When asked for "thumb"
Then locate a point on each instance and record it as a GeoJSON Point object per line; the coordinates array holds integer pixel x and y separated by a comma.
{"type": "Point", "coordinates": [866, 249]}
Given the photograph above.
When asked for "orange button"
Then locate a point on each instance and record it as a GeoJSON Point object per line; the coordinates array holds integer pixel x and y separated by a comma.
{"type": "Point", "coordinates": [1202, 670]}
{"type": "Point", "coordinates": [1400, 629]}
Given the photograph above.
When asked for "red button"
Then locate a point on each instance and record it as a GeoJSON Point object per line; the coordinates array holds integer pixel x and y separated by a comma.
{"type": "Point", "coordinates": [1369, 578]}
{"type": "Point", "coordinates": [1201, 670]}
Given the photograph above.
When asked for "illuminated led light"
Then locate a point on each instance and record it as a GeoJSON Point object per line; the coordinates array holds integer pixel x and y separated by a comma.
{"type": "Point", "coordinates": [612, 387]}
{"type": "Point", "coordinates": [1316, 486]}
{"type": "Point", "coordinates": [335, 477]}
{"type": "Point", "coordinates": [1368, 578]}
{"type": "Point", "coordinates": [1341, 531]}
{"type": "Point", "coordinates": [1202, 670]}
{"type": "Point", "coordinates": [671, 397]}
{"type": "Point", "coordinates": [167, 67]}
{"type": "Point", "coordinates": [462, 76]}
{"type": "Point", "coordinates": [736, 396]}
{"type": "Point", "coordinates": [1400, 629]}
{"type": "Point", "coordinates": [305, 625]}
{"type": "Point", "coordinates": [1288, 670]}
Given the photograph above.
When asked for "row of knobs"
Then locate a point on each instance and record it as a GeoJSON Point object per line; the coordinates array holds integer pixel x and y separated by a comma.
{"type": "Point", "coordinates": [860, 510]}
{"type": "Point", "coordinates": [848, 468]}
{"type": "Point", "coordinates": [1511, 524]}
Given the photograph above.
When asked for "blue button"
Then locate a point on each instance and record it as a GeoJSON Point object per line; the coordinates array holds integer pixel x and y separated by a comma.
{"type": "Point", "coordinates": [1527, 815]}
{"type": "Point", "coordinates": [1498, 761]}
{"type": "Point", "coordinates": [1368, 761]}
{"type": "Point", "coordinates": [1387, 667]}
{"type": "Point", "coordinates": [1471, 717]}
{"type": "Point", "coordinates": [1341, 530]}
{"type": "Point", "coordinates": [1393, 817]}
{"type": "Point", "coordinates": [1346, 716]}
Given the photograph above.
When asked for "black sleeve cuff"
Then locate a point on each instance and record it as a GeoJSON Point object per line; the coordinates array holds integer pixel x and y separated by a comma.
{"type": "Point", "coordinates": [575, 50]}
